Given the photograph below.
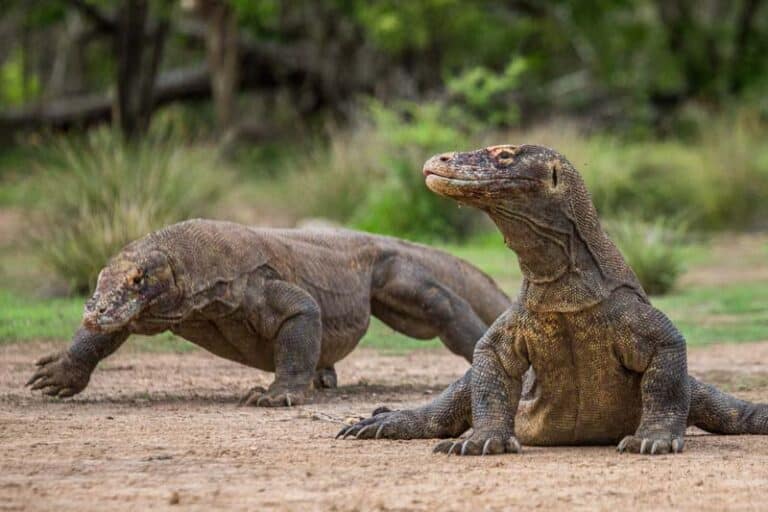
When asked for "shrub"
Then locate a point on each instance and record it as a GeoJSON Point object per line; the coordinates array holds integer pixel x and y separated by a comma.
{"type": "Point", "coordinates": [401, 204]}
{"type": "Point", "coordinates": [100, 193]}
{"type": "Point", "coordinates": [652, 249]}
{"type": "Point", "coordinates": [487, 95]}
{"type": "Point", "coordinates": [369, 176]}
{"type": "Point", "coordinates": [333, 180]}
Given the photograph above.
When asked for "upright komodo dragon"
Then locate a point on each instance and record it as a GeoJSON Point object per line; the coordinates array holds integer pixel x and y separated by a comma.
{"type": "Point", "coordinates": [608, 366]}
{"type": "Point", "coordinates": [290, 301]}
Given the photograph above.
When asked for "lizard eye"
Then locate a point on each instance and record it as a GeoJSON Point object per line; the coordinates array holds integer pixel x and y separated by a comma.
{"type": "Point", "coordinates": [138, 279]}
{"type": "Point", "coordinates": [504, 155]}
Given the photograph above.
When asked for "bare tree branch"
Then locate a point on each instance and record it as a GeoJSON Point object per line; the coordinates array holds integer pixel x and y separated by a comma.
{"type": "Point", "coordinates": [101, 21]}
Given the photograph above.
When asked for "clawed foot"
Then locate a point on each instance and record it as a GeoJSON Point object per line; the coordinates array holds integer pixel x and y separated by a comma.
{"type": "Point", "coordinates": [384, 424]}
{"type": "Point", "coordinates": [651, 444]}
{"type": "Point", "coordinates": [273, 397]}
{"type": "Point", "coordinates": [325, 378]}
{"type": "Point", "coordinates": [58, 375]}
{"type": "Point", "coordinates": [481, 444]}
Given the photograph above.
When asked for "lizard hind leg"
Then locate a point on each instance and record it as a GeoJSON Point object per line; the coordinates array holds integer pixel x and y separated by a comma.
{"type": "Point", "coordinates": [413, 302]}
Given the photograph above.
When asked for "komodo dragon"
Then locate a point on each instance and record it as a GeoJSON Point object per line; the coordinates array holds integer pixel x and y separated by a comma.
{"type": "Point", "coordinates": [289, 301]}
{"type": "Point", "coordinates": [608, 366]}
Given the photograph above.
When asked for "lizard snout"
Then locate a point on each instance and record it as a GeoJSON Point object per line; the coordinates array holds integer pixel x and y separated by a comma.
{"type": "Point", "coordinates": [437, 163]}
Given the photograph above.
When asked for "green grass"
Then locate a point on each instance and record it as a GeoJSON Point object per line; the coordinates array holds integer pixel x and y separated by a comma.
{"type": "Point", "coordinates": [731, 313]}
{"type": "Point", "coordinates": [382, 338]}
{"type": "Point", "coordinates": [24, 319]}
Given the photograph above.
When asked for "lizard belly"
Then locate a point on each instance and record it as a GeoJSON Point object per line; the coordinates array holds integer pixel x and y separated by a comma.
{"type": "Point", "coordinates": [342, 332]}
{"type": "Point", "coordinates": [583, 394]}
{"type": "Point", "coordinates": [230, 338]}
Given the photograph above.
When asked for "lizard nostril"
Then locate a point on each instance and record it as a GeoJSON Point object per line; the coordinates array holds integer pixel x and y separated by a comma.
{"type": "Point", "coordinates": [445, 158]}
{"type": "Point", "coordinates": [102, 310]}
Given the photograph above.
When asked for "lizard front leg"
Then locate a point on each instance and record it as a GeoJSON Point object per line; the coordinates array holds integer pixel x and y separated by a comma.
{"type": "Point", "coordinates": [64, 374]}
{"type": "Point", "coordinates": [499, 363]}
{"type": "Point", "coordinates": [657, 349]}
{"type": "Point", "coordinates": [294, 321]}
{"type": "Point", "coordinates": [448, 415]}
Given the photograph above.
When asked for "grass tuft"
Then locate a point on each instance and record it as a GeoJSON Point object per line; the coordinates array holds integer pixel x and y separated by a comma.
{"type": "Point", "coordinates": [101, 194]}
{"type": "Point", "coordinates": [653, 250]}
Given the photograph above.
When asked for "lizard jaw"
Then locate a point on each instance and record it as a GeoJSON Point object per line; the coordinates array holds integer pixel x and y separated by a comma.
{"type": "Point", "coordinates": [476, 191]}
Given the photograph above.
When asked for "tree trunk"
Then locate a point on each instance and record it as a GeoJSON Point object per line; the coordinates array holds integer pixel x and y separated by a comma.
{"type": "Point", "coordinates": [222, 42]}
{"type": "Point", "coordinates": [67, 71]}
{"type": "Point", "coordinates": [138, 50]}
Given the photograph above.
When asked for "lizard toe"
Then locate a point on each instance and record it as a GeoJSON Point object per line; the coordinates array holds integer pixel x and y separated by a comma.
{"type": "Point", "coordinates": [651, 445]}
{"type": "Point", "coordinates": [443, 446]}
{"type": "Point", "coordinates": [260, 397]}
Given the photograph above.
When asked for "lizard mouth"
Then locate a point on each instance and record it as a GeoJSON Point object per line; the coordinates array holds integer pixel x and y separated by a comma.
{"type": "Point", "coordinates": [103, 323]}
{"type": "Point", "coordinates": [437, 182]}
{"type": "Point", "coordinates": [467, 187]}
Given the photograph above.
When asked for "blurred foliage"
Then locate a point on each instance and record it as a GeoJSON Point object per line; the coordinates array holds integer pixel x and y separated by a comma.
{"type": "Point", "coordinates": [400, 204]}
{"type": "Point", "coordinates": [369, 176]}
{"type": "Point", "coordinates": [456, 32]}
{"type": "Point", "coordinates": [19, 87]}
{"type": "Point", "coordinates": [102, 193]}
{"type": "Point", "coordinates": [487, 94]}
{"type": "Point", "coordinates": [654, 251]}
{"type": "Point", "coordinates": [630, 63]}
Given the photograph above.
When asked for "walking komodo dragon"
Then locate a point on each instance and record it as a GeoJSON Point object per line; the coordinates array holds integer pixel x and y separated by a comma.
{"type": "Point", "coordinates": [609, 367]}
{"type": "Point", "coordinates": [290, 301]}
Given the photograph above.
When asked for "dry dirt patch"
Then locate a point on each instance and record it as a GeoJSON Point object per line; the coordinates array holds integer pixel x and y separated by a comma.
{"type": "Point", "coordinates": [163, 431]}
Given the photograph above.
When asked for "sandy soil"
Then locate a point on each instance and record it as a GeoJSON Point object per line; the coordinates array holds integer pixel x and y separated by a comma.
{"type": "Point", "coordinates": [164, 431]}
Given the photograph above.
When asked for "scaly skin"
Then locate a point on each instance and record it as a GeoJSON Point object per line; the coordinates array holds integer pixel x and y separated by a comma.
{"type": "Point", "coordinates": [293, 302]}
{"type": "Point", "coordinates": [609, 367]}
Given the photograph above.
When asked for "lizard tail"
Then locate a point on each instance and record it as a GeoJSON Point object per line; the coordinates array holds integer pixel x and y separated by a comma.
{"type": "Point", "coordinates": [720, 413]}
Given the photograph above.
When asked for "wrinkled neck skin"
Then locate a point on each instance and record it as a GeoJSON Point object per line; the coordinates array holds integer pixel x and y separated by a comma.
{"type": "Point", "coordinates": [159, 316]}
{"type": "Point", "coordinates": [560, 273]}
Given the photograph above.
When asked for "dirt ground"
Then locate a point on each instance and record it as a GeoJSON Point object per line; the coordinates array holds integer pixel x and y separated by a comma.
{"type": "Point", "coordinates": [163, 430]}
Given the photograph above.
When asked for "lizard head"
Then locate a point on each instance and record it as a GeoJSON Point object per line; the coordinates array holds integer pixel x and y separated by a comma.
{"type": "Point", "coordinates": [127, 286]}
{"type": "Point", "coordinates": [510, 182]}
{"type": "Point", "coordinates": [532, 193]}
{"type": "Point", "coordinates": [516, 174]}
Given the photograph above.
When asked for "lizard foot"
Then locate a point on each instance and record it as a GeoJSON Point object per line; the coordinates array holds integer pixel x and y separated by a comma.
{"type": "Point", "coordinates": [385, 424]}
{"type": "Point", "coordinates": [651, 444]}
{"type": "Point", "coordinates": [277, 397]}
{"type": "Point", "coordinates": [325, 378]}
{"type": "Point", "coordinates": [481, 444]}
{"type": "Point", "coordinates": [58, 375]}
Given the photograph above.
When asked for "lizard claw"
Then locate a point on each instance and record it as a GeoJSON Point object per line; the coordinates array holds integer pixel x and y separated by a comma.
{"type": "Point", "coordinates": [343, 431]}
{"type": "Point", "coordinates": [651, 445]}
{"type": "Point", "coordinates": [384, 424]}
{"type": "Point", "coordinates": [277, 397]}
{"type": "Point", "coordinates": [360, 432]}
{"type": "Point", "coordinates": [480, 445]}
